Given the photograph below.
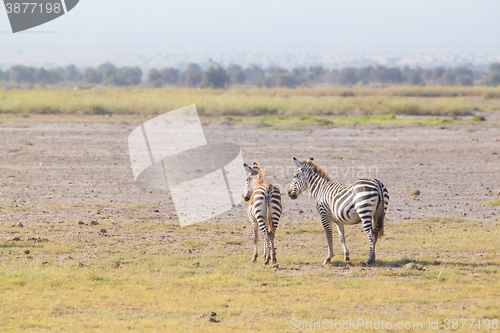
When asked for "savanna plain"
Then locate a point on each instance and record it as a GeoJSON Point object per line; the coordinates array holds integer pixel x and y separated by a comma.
{"type": "Point", "coordinates": [82, 248]}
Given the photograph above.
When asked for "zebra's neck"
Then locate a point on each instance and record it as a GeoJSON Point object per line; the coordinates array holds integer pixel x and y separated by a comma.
{"type": "Point", "coordinates": [256, 184]}
{"type": "Point", "coordinates": [317, 186]}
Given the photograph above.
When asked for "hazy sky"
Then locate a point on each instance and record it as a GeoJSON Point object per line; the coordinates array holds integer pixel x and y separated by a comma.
{"type": "Point", "coordinates": [95, 28]}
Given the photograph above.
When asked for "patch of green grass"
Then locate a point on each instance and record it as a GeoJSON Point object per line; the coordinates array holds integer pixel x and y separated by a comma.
{"type": "Point", "coordinates": [194, 243]}
{"type": "Point", "coordinates": [304, 231]}
{"type": "Point", "coordinates": [492, 203]}
{"type": "Point", "coordinates": [144, 217]}
{"type": "Point", "coordinates": [443, 219]}
{"type": "Point", "coordinates": [233, 242]}
{"type": "Point", "coordinates": [15, 208]}
{"type": "Point", "coordinates": [283, 122]}
{"type": "Point", "coordinates": [140, 206]}
{"type": "Point", "coordinates": [54, 207]}
{"type": "Point", "coordinates": [478, 118]}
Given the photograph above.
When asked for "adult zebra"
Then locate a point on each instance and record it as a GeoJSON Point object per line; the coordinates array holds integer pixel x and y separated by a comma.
{"type": "Point", "coordinates": [365, 201]}
{"type": "Point", "coordinates": [264, 209]}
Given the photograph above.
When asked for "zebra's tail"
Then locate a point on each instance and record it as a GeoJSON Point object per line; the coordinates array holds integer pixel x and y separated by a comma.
{"type": "Point", "coordinates": [269, 214]}
{"type": "Point", "coordinates": [378, 223]}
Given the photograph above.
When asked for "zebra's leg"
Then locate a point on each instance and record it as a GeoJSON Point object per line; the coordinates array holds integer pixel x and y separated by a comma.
{"type": "Point", "coordinates": [327, 224]}
{"type": "Point", "coordinates": [265, 237]}
{"type": "Point", "coordinates": [340, 228]}
{"type": "Point", "coordinates": [273, 249]}
{"type": "Point", "coordinates": [255, 240]}
{"type": "Point", "coordinates": [267, 248]}
{"type": "Point", "coordinates": [367, 226]}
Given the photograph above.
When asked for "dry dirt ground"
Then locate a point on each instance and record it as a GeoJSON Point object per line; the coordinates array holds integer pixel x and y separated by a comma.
{"type": "Point", "coordinates": [62, 183]}
{"type": "Point", "coordinates": [67, 172]}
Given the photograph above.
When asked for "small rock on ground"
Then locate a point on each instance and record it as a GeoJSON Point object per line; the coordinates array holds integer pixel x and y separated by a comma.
{"type": "Point", "coordinates": [415, 267]}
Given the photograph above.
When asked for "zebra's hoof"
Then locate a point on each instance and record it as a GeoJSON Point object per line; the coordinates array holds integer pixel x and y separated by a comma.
{"type": "Point", "coordinates": [370, 262]}
{"type": "Point", "coordinates": [275, 261]}
{"type": "Point", "coordinates": [328, 260]}
{"type": "Point", "coordinates": [346, 258]}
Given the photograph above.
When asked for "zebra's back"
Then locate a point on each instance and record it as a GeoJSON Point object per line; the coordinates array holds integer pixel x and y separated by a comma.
{"type": "Point", "coordinates": [265, 207]}
{"type": "Point", "coordinates": [361, 198]}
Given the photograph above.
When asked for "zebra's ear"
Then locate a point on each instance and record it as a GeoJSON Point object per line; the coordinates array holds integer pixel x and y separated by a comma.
{"type": "Point", "coordinates": [311, 159]}
{"type": "Point", "coordinates": [297, 163]}
{"type": "Point", "coordinates": [255, 163]}
{"type": "Point", "coordinates": [249, 169]}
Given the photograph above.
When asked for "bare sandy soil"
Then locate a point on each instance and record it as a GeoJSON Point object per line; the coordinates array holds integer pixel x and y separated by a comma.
{"type": "Point", "coordinates": [81, 171]}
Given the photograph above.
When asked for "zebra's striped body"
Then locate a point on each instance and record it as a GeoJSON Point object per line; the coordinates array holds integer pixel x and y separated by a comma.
{"type": "Point", "coordinates": [364, 201]}
{"type": "Point", "coordinates": [264, 210]}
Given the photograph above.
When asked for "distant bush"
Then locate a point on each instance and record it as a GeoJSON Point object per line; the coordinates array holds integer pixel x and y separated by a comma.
{"type": "Point", "coordinates": [493, 79]}
{"type": "Point", "coordinates": [192, 76]}
{"type": "Point", "coordinates": [159, 78]}
{"type": "Point", "coordinates": [214, 77]}
{"type": "Point", "coordinates": [437, 73]}
{"type": "Point", "coordinates": [285, 80]}
{"type": "Point", "coordinates": [71, 73]}
{"type": "Point", "coordinates": [4, 76]}
{"type": "Point", "coordinates": [92, 75]}
{"type": "Point", "coordinates": [22, 74]}
{"type": "Point", "coordinates": [42, 76]}
{"type": "Point", "coordinates": [154, 78]}
{"type": "Point", "coordinates": [115, 80]}
{"type": "Point", "coordinates": [447, 79]}
{"type": "Point", "coordinates": [383, 74]}
{"type": "Point", "coordinates": [236, 74]}
{"type": "Point", "coordinates": [347, 76]}
{"type": "Point", "coordinates": [170, 75]}
{"type": "Point", "coordinates": [254, 75]}
{"type": "Point", "coordinates": [364, 74]}
{"type": "Point", "coordinates": [464, 80]}
{"type": "Point", "coordinates": [414, 78]}
{"type": "Point", "coordinates": [493, 76]}
{"type": "Point", "coordinates": [130, 75]}
{"type": "Point", "coordinates": [107, 69]}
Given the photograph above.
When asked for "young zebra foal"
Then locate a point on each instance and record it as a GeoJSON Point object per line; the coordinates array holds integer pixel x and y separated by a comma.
{"type": "Point", "coordinates": [264, 210]}
{"type": "Point", "coordinates": [365, 201]}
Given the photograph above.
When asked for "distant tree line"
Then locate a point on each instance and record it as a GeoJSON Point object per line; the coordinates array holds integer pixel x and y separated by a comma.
{"type": "Point", "coordinates": [107, 74]}
{"type": "Point", "coordinates": [219, 77]}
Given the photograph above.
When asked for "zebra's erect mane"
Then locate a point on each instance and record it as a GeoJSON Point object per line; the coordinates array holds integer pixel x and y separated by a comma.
{"type": "Point", "coordinates": [319, 171]}
{"type": "Point", "coordinates": [261, 173]}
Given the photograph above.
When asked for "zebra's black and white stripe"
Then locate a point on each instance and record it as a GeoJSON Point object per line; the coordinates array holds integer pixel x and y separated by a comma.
{"type": "Point", "coordinates": [264, 210]}
{"type": "Point", "coordinates": [365, 201]}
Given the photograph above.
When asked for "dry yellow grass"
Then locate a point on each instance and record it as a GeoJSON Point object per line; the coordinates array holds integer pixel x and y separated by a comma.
{"type": "Point", "coordinates": [255, 102]}
{"type": "Point", "coordinates": [173, 284]}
